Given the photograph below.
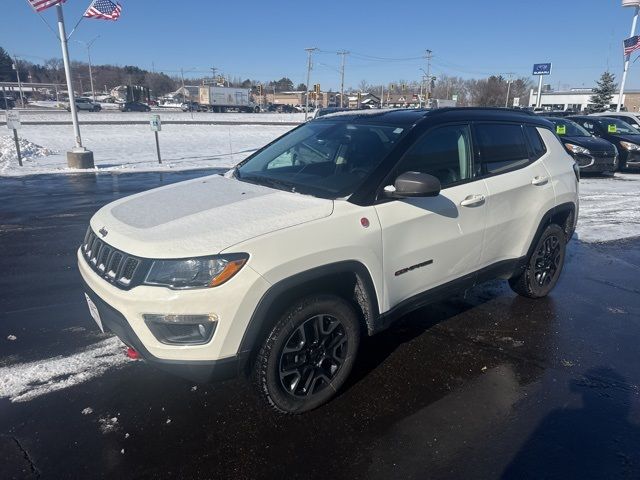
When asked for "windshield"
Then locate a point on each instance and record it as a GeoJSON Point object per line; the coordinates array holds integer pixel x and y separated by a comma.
{"type": "Point", "coordinates": [569, 128]}
{"type": "Point", "coordinates": [613, 125]}
{"type": "Point", "coordinates": [325, 159]}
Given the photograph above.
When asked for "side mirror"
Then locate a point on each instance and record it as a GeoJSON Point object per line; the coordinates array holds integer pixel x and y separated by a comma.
{"type": "Point", "coordinates": [413, 184]}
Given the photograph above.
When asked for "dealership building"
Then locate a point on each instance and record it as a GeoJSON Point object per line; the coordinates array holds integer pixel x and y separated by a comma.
{"type": "Point", "coordinates": [579, 99]}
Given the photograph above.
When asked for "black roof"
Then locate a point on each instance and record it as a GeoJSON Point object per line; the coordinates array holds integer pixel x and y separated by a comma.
{"type": "Point", "coordinates": [410, 116]}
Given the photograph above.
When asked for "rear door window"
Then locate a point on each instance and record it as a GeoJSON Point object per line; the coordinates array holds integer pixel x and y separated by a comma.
{"type": "Point", "coordinates": [502, 147]}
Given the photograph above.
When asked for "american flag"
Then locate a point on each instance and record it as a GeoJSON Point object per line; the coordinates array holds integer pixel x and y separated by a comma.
{"type": "Point", "coordinates": [103, 9]}
{"type": "Point", "coordinates": [631, 44]}
{"type": "Point", "coordinates": [40, 5]}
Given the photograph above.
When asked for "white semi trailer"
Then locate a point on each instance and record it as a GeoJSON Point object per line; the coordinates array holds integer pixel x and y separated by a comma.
{"type": "Point", "coordinates": [220, 99]}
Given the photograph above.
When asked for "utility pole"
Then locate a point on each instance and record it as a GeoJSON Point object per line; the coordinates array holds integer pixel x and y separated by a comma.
{"type": "Point", "coordinates": [506, 102]}
{"type": "Point", "coordinates": [88, 47]}
{"type": "Point", "coordinates": [428, 56]}
{"type": "Point", "coordinates": [184, 90]}
{"type": "Point", "coordinates": [16, 67]}
{"type": "Point", "coordinates": [343, 53]}
{"type": "Point", "coordinates": [627, 57]}
{"type": "Point", "coordinates": [213, 74]}
{"type": "Point", "coordinates": [309, 54]}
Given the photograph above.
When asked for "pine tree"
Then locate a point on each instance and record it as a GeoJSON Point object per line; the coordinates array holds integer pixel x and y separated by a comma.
{"type": "Point", "coordinates": [603, 93]}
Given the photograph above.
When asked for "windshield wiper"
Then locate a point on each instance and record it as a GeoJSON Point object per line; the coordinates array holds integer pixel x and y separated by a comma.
{"type": "Point", "coordinates": [271, 182]}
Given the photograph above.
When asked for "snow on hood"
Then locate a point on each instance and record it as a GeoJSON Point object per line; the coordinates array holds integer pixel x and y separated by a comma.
{"type": "Point", "coordinates": [202, 217]}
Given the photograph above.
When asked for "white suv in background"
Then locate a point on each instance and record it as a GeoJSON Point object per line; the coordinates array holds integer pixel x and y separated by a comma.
{"type": "Point", "coordinates": [331, 232]}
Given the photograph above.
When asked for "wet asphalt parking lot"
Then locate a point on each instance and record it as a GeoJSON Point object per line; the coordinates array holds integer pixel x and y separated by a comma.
{"type": "Point", "coordinates": [484, 385]}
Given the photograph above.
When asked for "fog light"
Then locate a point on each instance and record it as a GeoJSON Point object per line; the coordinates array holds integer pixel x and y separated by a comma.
{"type": "Point", "coordinates": [182, 329]}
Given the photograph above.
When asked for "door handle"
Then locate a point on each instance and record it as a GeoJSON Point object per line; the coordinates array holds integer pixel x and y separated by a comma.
{"type": "Point", "coordinates": [473, 200]}
{"type": "Point", "coordinates": [540, 180]}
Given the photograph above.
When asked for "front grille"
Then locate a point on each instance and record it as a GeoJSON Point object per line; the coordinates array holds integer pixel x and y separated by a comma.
{"type": "Point", "coordinates": [110, 263]}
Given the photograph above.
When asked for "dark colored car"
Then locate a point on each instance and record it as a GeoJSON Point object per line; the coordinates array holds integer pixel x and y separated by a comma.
{"type": "Point", "coordinates": [592, 154]}
{"type": "Point", "coordinates": [6, 103]}
{"type": "Point", "coordinates": [191, 107]}
{"type": "Point", "coordinates": [135, 107]}
{"type": "Point", "coordinates": [621, 134]}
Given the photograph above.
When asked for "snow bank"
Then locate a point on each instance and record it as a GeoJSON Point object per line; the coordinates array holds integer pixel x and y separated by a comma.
{"type": "Point", "coordinates": [609, 208]}
{"type": "Point", "coordinates": [29, 151]}
{"type": "Point", "coordinates": [26, 381]}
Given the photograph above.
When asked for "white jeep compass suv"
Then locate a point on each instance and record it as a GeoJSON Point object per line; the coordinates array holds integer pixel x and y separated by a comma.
{"type": "Point", "coordinates": [331, 232]}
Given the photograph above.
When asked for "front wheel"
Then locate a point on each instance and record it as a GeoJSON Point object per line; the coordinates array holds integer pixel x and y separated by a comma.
{"type": "Point", "coordinates": [308, 354]}
{"type": "Point", "coordinates": [544, 266]}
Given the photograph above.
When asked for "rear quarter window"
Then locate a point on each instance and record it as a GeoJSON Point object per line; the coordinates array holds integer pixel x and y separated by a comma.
{"type": "Point", "coordinates": [502, 147]}
{"type": "Point", "coordinates": [536, 145]}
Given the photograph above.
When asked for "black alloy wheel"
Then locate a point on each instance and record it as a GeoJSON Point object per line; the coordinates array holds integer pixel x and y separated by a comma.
{"type": "Point", "coordinates": [313, 355]}
{"type": "Point", "coordinates": [543, 266]}
{"type": "Point", "coordinates": [308, 354]}
{"type": "Point", "coordinates": [547, 260]}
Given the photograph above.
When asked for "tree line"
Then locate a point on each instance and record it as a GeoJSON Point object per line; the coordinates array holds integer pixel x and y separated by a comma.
{"type": "Point", "coordinates": [489, 91]}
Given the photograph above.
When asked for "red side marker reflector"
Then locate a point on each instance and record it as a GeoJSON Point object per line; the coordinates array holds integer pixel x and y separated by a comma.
{"type": "Point", "coordinates": [364, 221]}
{"type": "Point", "coordinates": [132, 354]}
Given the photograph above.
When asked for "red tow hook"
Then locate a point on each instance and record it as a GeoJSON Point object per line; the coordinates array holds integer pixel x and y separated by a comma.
{"type": "Point", "coordinates": [132, 354]}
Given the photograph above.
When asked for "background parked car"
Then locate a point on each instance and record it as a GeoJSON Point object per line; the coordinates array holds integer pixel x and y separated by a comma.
{"type": "Point", "coordinates": [621, 134]}
{"type": "Point", "coordinates": [321, 112]}
{"type": "Point", "coordinates": [135, 107]}
{"type": "Point", "coordinates": [627, 117]}
{"type": "Point", "coordinates": [6, 103]}
{"type": "Point", "coordinates": [592, 154]}
{"type": "Point", "coordinates": [190, 107]}
{"type": "Point", "coordinates": [85, 103]}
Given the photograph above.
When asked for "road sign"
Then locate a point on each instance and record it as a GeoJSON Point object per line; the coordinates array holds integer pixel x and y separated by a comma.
{"type": "Point", "coordinates": [454, 98]}
{"type": "Point", "coordinates": [155, 123]}
{"type": "Point", "coordinates": [542, 69]}
{"type": "Point", "coordinates": [516, 101]}
{"type": "Point", "coordinates": [13, 120]}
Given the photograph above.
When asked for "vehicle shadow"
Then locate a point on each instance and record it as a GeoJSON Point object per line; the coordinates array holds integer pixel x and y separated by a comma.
{"type": "Point", "coordinates": [376, 349]}
{"type": "Point", "coordinates": [595, 441]}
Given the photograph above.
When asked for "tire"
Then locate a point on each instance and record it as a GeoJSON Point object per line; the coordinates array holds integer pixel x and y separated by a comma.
{"type": "Point", "coordinates": [309, 374]}
{"type": "Point", "coordinates": [544, 266]}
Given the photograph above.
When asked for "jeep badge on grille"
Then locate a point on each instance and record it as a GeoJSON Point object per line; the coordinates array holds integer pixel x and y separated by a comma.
{"type": "Point", "coordinates": [103, 231]}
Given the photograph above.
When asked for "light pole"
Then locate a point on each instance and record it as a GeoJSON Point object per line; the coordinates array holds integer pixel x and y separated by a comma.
{"type": "Point", "coordinates": [506, 102]}
{"type": "Point", "coordinates": [78, 157]}
{"type": "Point", "coordinates": [88, 47]}
{"type": "Point", "coordinates": [309, 54]}
{"type": "Point", "coordinates": [636, 5]}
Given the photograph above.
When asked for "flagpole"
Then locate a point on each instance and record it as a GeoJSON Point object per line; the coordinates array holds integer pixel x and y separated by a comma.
{"type": "Point", "coordinates": [79, 157]}
{"type": "Point", "coordinates": [626, 61]}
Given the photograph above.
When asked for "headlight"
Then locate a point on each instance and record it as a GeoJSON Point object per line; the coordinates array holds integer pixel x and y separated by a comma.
{"type": "Point", "coordinates": [577, 149]}
{"type": "Point", "coordinates": [199, 272]}
{"type": "Point", "coordinates": [631, 147]}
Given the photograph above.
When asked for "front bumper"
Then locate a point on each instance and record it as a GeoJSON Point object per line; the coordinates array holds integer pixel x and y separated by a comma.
{"type": "Point", "coordinates": [233, 304]}
{"type": "Point", "coordinates": [597, 162]}
{"type": "Point", "coordinates": [632, 160]}
{"type": "Point", "coordinates": [196, 370]}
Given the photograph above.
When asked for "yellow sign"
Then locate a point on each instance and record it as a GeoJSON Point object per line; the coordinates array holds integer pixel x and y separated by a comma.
{"type": "Point", "coordinates": [561, 129]}
{"type": "Point", "coordinates": [612, 128]}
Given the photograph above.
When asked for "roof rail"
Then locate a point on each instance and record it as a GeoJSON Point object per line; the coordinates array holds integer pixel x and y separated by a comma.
{"type": "Point", "coordinates": [484, 109]}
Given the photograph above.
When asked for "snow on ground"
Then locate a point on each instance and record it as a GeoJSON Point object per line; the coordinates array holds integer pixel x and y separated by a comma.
{"type": "Point", "coordinates": [132, 147]}
{"type": "Point", "coordinates": [26, 381]}
{"type": "Point", "coordinates": [165, 115]}
{"type": "Point", "coordinates": [609, 208]}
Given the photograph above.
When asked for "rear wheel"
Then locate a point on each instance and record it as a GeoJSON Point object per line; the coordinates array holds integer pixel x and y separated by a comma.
{"type": "Point", "coordinates": [308, 354]}
{"type": "Point", "coordinates": [544, 266]}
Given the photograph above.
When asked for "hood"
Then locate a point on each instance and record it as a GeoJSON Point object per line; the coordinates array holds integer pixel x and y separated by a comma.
{"type": "Point", "coordinates": [202, 217]}
{"type": "Point", "coordinates": [592, 143]}
{"type": "Point", "coordinates": [625, 138]}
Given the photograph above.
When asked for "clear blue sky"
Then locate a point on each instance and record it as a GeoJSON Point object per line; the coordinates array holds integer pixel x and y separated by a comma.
{"type": "Point", "coordinates": [266, 40]}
